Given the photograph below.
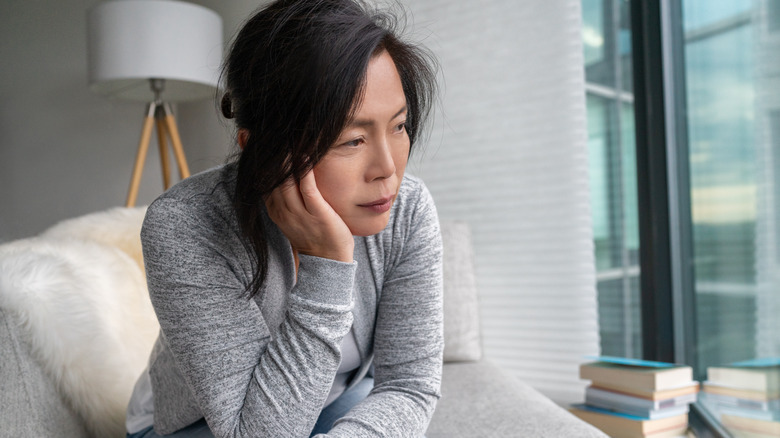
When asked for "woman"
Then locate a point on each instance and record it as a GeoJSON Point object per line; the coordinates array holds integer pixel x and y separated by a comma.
{"type": "Point", "coordinates": [299, 289]}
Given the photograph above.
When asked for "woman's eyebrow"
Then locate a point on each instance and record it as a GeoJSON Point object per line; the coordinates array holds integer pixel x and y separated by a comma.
{"type": "Point", "coordinates": [361, 123]}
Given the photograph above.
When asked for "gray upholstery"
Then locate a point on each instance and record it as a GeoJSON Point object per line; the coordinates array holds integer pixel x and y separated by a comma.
{"type": "Point", "coordinates": [29, 403]}
{"type": "Point", "coordinates": [461, 309]}
{"type": "Point", "coordinates": [478, 398]}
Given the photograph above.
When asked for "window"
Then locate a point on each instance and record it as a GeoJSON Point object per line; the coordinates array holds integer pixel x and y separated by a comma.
{"type": "Point", "coordinates": [723, 151]}
{"type": "Point", "coordinates": [732, 54]}
{"type": "Point", "coordinates": [606, 39]}
{"type": "Point", "coordinates": [706, 182]}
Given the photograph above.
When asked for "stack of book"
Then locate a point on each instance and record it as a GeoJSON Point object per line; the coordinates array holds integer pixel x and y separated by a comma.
{"type": "Point", "coordinates": [746, 397]}
{"type": "Point", "coordinates": [636, 398]}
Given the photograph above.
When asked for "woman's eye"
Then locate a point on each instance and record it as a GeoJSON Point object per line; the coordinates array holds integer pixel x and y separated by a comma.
{"type": "Point", "coordinates": [400, 127]}
{"type": "Point", "coordinates": [353, 143]}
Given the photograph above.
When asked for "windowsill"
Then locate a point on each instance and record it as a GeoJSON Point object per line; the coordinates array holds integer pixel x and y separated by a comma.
{"type": "Point", "coordinates": [704, 424]}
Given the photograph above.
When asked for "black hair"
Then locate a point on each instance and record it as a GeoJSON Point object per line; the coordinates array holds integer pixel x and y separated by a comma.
{"type": "Point", "coordinates": [294, 76]}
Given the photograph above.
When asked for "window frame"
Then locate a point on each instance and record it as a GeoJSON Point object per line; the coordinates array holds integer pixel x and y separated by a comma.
{"type": "Point", "coordinates": [667, 288]}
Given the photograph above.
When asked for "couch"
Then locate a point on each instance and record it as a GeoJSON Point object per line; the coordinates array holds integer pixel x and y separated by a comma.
{"type": "Point", "coordinates": [76, 328]}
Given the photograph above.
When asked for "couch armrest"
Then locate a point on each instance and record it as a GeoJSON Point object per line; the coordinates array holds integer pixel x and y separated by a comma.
{"type": "Point", "coordinates": [31, 405]}
{"type": "Point", "coordinates": [479, 399]}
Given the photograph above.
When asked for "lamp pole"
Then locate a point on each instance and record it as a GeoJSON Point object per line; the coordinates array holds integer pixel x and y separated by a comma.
{"type": "Point", "coordinates": [158, 112]}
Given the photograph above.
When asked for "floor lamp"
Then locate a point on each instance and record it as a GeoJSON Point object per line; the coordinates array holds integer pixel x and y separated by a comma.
{"type": "Point", "coordinates": [156, 51]}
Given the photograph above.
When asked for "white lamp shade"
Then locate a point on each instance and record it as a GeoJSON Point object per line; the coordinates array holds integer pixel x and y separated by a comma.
{"type": "Point", "coordinates": [132, 41]}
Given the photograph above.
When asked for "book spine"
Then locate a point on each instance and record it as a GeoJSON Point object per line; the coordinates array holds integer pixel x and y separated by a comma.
{"type": "Point", "coordinates": [614, 376]}
{"type": "Point", "coordinates": [621, 399]}
{"type": "Point", "coordinates": [647, 414]}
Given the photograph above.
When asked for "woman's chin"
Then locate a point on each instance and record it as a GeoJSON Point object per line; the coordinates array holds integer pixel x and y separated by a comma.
{"type": "Point", "coordinates": [367, 227]}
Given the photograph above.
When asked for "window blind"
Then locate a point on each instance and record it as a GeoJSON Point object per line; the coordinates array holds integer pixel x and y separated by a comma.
{"type": "Point", "coordinates": [508, 154]}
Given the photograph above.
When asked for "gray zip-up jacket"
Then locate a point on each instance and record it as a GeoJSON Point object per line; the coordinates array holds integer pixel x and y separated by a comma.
{"type": "Point", "coordinates": [263, 367]}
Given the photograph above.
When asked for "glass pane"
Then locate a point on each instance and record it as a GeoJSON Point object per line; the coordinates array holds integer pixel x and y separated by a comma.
{"type": "Point", "coordinates": [598, 129]}
{"type": "Point", "coordinates": [612, 153]}
{"type": "Point", "coordinates": [593, 32]}
{"type": "Point", "coordinates": [721, 130]}
{"type": "Point", "coordinates": [733, 97]}
{"type": "Point", "coordinates": [606, 38]}
{"type": "Point", "coordinates": [698, 14]}
{"type": "Point", "coordinates": [624, 46]}
{"type": "Point", "coordinates": [630, 208]}
{"type": "Point", "coordinates": [598, 43]}
{"type": "Point", "coordinates": [773, 16]}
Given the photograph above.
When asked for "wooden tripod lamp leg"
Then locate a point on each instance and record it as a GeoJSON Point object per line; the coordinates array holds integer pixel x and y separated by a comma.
{"type": "Point", "coordinates": [143, 147]}
{"type": "Point", "coordinates": [178, 150]}
{"type": "Point", "coordinates": [162, 141]}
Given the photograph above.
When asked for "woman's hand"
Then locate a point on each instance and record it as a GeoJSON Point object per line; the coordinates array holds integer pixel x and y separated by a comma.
{"type": "Point", "coordinates": [309, 222]}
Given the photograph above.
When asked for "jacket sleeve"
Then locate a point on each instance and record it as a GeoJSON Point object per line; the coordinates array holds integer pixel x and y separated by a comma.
{"type": "Point", "coordinates": [245, 383]}
{"type": "Point", "coordinates": [408, 341]}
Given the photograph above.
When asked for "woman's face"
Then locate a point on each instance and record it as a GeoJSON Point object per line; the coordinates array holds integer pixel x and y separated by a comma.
{"type": "Point", "coordinates": [360, 175]}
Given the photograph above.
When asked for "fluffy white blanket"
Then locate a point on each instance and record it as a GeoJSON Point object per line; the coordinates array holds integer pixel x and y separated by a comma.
{"type": "Point", "coordinates": [80, 293]}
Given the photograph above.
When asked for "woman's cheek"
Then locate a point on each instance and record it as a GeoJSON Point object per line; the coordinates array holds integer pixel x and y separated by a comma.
{"type": "Point", "coordinates": [332, 181]}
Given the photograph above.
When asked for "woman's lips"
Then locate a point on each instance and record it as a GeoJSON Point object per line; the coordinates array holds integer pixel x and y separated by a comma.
{"type": "Point", "coordinates": [380, 205]}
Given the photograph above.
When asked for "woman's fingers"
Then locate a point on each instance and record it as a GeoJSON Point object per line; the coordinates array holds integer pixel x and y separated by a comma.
{"type": "Point", "coordinates": [310, 195]}
{"type": "Point", "coordinates": [288, 196]}
{"type": "Point", "coordinates": [301, 199]}
{"type": "Point", "coordinates": [311, 225]}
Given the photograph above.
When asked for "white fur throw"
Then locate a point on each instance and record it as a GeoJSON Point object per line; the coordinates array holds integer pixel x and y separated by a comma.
{"type": "Point", "coordinates": [80, 293]}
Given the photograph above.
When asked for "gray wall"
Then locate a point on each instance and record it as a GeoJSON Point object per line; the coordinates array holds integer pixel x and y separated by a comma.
{"type": "Point", "coordinates": [65, 151]}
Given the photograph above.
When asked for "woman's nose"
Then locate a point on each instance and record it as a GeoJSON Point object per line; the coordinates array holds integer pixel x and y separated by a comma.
{"type": "Point", "coordinates": [382, 162]}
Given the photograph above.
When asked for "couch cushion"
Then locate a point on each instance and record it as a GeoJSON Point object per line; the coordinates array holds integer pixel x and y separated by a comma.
{"type": "Point", "coordinates": [461, 309]}
{"type": "Point", "coordinates": [30, 404]}
{"type": "Point", "coordinates": [480, 400]}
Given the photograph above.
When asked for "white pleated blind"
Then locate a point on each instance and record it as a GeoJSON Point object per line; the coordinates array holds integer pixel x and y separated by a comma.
{"type": "Point", "coordinates": [508, 155]}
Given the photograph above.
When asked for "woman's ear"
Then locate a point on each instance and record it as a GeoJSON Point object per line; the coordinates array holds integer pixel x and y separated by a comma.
{"type": "Point", "coordinates": [243, 137]}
